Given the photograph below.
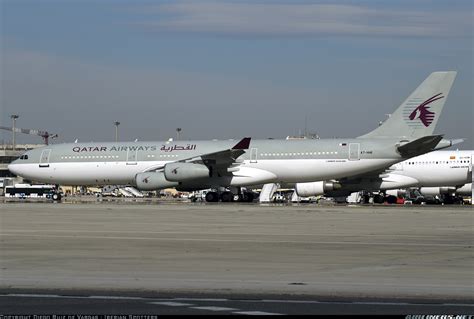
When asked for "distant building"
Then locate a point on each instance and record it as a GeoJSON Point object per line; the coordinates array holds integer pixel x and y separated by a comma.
{"type": "Point", "coordinates": [311, 136]}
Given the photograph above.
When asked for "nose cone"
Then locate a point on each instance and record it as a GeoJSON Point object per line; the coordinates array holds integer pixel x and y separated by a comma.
{"type": "Point", "coordinates": [14, 167]}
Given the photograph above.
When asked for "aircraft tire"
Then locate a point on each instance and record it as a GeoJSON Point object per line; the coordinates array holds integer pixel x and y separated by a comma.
{"type": "Point", "coordinates": [212, 197]}
{"type": "Point", "coordinates": [378, 199]}
{"type": "Point", "coordinates": [391, 199]}
{"type": "Point", "coordinates": [248, 197]}
{"type": "Point", "coordinates": [227, 197]}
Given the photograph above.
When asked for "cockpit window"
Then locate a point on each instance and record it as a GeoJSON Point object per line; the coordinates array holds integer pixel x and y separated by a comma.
{"type": "Point", "coordinates": [24, 157]}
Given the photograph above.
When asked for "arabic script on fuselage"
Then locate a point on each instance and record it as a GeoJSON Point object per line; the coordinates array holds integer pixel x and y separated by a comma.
{"type": "Point", "coordinates": [165, 148]}
{"type": "Point", "coordinates": [170, 148]}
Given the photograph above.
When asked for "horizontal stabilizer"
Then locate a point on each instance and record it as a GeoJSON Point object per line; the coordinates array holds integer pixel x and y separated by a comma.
{"type": "Point", "coordinates": [419, 146]}
{"type": "Point", "coordinates": [444, 143]}
{"type": "Point", "coordinates": [457, 141]}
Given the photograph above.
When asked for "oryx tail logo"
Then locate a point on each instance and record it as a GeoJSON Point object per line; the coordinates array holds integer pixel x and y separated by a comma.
{"type": "Point", "coordinates": [422, 111]}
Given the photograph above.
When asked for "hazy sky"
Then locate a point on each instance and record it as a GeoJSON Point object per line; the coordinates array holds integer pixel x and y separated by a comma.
{"type": "Point", "coordinates": [227, 69]}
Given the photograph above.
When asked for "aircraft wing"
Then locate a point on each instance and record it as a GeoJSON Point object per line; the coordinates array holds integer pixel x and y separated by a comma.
{"type": "Point", "coordinates": [222, 162]}
{"type": "Point", "coordinates": [225, 157]}
{"type": "Point", "coordinates": [220, 159]}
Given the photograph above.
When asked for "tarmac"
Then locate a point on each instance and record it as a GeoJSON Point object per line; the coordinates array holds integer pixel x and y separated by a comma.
{"type": "Point", "coordinates": [395, 252]}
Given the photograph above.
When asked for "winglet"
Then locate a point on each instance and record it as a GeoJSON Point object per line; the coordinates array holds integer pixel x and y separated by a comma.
{"type": "Point", "coordinates": [243, 144]}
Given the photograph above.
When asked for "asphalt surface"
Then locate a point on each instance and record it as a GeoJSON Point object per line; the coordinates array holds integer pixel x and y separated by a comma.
{"type": "Point", "coordinates": [299, 259]}
{"type": "Point", "coordinates": [80, 302]}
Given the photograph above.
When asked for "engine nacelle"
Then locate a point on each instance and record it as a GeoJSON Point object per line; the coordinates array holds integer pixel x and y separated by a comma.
{"type": "Point", "coordinates": [465, 190]}
{"type": "Point", "coordinates": [179, 172]}
{"type": "Point", "coordinates": [152, 180]}
{"type": "Point", "coordinates": [315, 188]}
{"type": "Point", "coordinates": [433, 191]}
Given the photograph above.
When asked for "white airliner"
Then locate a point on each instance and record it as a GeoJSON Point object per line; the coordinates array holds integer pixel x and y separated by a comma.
{"type": "Point", "coordinates": [447, 168]}
{"type": "Point", "coordinates": [435, 173]}
{"type": "Point", "coordinates": [438, 173]}
{"type": "Point", "coordinates": [212, 164]}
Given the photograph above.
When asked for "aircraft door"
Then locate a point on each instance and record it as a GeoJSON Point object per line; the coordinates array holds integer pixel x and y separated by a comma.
{"type": "Point", "coordinates": [354, 151]}
{"type": "Point", "coordinates": [132, 157]}
{"type": "Point", "coordinates": [253, 155]}
{"type": "Point", "coordinates": [44, 159]}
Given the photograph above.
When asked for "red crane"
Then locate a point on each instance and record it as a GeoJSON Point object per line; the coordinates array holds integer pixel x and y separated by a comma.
{"type": "Point", "coordinates": [45, 135]}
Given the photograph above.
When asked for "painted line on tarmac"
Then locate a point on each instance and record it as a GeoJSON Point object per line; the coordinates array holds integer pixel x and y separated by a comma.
{"type": "Point", "coordinates": [117, 297]}
{"type": "Point", "coordinates": [72, 296]}
{"type": "Point", "coordinates": [68, 231]}
{"type": "Point", "coordinates": [411, 304]}
{"type": "Point", "coordinates": [204, 299]}
{"type": "Point", "coordinates": [239, 240]}
{"type": "Point", "coordinates": [178, 301]}
{"type": "Point", "coordinates": [358, 302]}
{"type": "Point", "coordinates": [214, 308]}
{"type": "Point", "coordinates": [257, 313]}
{"type": "Point", "coordinates": [171, 303]}
{"type": "Point", "coordinates": [31, 295]}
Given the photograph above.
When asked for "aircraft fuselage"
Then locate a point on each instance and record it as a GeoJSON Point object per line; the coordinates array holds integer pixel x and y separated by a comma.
{"type": "Point", "coordinates": [271, 160]}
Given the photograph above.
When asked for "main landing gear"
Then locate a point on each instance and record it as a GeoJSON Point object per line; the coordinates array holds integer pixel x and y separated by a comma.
{"type": "Point", "coordinates": [227, 197]}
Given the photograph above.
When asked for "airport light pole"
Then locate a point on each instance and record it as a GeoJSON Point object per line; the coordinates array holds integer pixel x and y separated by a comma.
{"type": "Point", "coordinates": [178, 130]}
{"type": "Point", "coordinates": [116, 130]}
{"type": "Point", "coordinates": [14, 117]}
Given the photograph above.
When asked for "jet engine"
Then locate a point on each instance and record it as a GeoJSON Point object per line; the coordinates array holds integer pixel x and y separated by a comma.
{"type": "Point", "coordinates": [179, 172]}
{"type": "Point", "coordinates": [465, 190]}
{"type": "Point", "coordinates": [315, 188]}
{"type": "Point", "coordinates": [152, 181]}
{"type": "Point", "coordinates": [433, 191]}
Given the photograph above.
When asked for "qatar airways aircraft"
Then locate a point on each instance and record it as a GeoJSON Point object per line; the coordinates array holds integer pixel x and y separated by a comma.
{"type": "Point", "coordinates": [213, 164]}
